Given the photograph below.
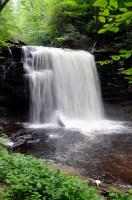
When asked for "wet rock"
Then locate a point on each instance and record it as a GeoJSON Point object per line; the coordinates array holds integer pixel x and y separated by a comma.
{"type": "Point", "coordinates": [13, 129]}
{"type": "Point", "coordinates": [16, 53]}
{"type": "Point", "coordinates": [3, 123]}
{"type": "Point", "coordinates": [16, 69]}
{"type": "Point", "coordinates": [33, 141]}
{"type": "Point", "coordinates": [6, 142]}
{"type": "Point", "coordinates": [93, 182]}
{"type": "Point", "coordinates": [60, 119]}
{"type": "Point", "coordinates": [16, 42]}
{"type": "Point", "coordinates": [2, 70]}
{"type": "Point", "coordinates": [1, 128]}
{"type": "Point", "coordinates": [14, 88]}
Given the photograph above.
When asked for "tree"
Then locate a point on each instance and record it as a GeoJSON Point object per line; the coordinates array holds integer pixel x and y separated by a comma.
{"type": "Point", "coordinates": [7, 23]}
{"type": "Point", "coordinates": [113, 13]}
{"type": "Point", "coordinates": [115, 16]}
{"type": "Point", "coordinates": [31, 21]}
{"type": "Point", "coordinates": [3, 4]}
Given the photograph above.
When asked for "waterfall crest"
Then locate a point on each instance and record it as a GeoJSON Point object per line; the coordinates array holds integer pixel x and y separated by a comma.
{"type": "Point", "coordinates": [64, 81]}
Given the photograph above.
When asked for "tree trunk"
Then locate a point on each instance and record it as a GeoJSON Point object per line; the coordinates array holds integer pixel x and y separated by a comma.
{"type": "Point", "coordinates": [3, 4]}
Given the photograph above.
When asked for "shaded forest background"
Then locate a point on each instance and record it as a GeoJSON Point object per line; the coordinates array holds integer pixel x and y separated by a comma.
{"type": "Point", "coordinates": [94, 25]}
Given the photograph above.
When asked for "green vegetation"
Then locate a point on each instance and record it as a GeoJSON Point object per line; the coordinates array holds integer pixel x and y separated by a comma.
{"type": "Point", "coordinates": [46, 22]}
{"type": "Point", "coordinates": [26, 178]}
{"type": "Point", "coordinates": [86, 24]}
{"type": "Point", "coordinates": [95, 25]}
{"type": "Point", "coordinates": [115, 16]}
{"type": "Point", "coordinates": [7, 25]}
{"type": "Point", "coordinates": [120, 196]}
{"type": "Point", "coordinates": [3, 4]}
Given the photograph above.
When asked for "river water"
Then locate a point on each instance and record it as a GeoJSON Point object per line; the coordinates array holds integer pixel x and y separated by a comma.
{"type": "Point", "coordinates": [67, 124]}
{"type": "Point", "coordinates": [97, 154]}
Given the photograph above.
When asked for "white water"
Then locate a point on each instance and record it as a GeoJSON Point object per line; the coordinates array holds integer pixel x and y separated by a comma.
{"type": "Point", "coordinates": [62, 82]}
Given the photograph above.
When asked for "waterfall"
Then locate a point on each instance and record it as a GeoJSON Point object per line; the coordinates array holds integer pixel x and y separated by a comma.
{"type": "Point", "coordinates": [62, 81]}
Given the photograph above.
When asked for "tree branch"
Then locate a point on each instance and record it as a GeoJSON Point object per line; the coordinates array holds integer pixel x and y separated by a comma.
{"type": "Point", "coordinates": [3, 4]}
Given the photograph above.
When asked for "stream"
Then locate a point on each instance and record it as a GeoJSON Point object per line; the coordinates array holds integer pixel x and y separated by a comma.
{"type": "Point", "coordinates": [67, 122]}
{"type": "Point", "coordinates": [99, 154]}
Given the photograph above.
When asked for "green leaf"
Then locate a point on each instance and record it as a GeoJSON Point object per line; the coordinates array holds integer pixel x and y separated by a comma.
{"type": "Point", "coordinates": [102, 19]}
{"type": "Point", "coordinates": [130, 191]}
{"type": "Point", "coordinates": [128, 21]}
{"type": "Point", "coordinates": [104, 62]}
{"type": "Point", "coordinates": [123, 9]}
{"type": "Point", "coordinates": [115, 57]}
{"type": "Point", "coordinates": [114, 29]}
{"type": "Point", "coordinates": [110, 19]}
{"type": "Point", "coordinates": [127, 55]}
{"type": "Point", "coordinates": [113, 3]}
{"type": "Point", "coordinates": [102, 31]}
{"type": "Point", "coordinates": [129, 4]}
{"type": "Point", "coordinates": [100, 3]}
{"type": "Point", "coordinates": [107, 26]}
{"type": "Point", "coordinates": [128, 72]}
{"type": "Point", "coordinates": [127, 15]}
{"type": "Point", "coordinates": [112, 194]}
{"type": "Point", "coordinates": [39, 186]}
{"type": "Point", "coordinates": [8, 181]}
{"type": "Point", "coordinates": [105, 12]}
{"type": "Point", "coordinates": [125, 51]}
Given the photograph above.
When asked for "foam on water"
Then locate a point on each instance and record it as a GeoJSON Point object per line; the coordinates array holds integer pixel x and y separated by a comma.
{"type": "Point", "coordinates": [87, 128]}
{"type": "Point", "coordinates": [100, 126]}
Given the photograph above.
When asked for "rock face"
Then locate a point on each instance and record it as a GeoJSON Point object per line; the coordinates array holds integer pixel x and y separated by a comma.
{"type": "Point", "coordinates": [114, 86]}
{"type": "Point", "coordinates": [13, 87]}
{"type": "Point", "coordinates": [14, 90]}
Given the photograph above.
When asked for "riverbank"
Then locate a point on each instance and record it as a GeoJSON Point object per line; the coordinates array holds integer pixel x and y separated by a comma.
{"type": "Point", "coordinates": [101, 154]}
{"type": "Point", "coordinates": [25, 177]}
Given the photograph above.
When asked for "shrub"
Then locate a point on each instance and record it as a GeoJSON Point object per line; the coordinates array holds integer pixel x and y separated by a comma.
{"type": "Point", "coordinates": [27, 178]}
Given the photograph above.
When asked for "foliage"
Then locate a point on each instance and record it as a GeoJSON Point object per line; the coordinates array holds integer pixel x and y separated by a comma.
{"type": "Point", "coordinates": [128, 73]}
{"type": "Point", "coordinates": [46, 22]}
{"type": "Point", "coordinates": [123, 54]}
{"type": "Point", "coordinates": [120, 196]}
{"type": "Point", "coordinates": [31, 21]}
{"type": "Point", "coordinates": [7, 24]}
{"type": "Point", "coordinates": [115, 15]}
{"type": "Point", "coordinates": [69, 21]}
{"type": "Point", "coordinates": [3, 3]}
{"type": "Point", "coordinates": [86, 24]}
{"type": "Point", "coordinates": [27, 178]}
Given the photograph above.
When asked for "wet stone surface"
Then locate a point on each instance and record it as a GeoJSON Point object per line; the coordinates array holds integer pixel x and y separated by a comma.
{"type": "Point", "coordinates": [107, 157]}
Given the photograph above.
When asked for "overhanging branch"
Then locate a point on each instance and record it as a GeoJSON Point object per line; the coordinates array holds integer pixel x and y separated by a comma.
{"type": "Point", "coordinates": [3, 4]}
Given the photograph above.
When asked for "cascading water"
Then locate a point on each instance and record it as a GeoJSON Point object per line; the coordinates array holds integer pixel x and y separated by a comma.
{"type": "Point", "coordinates": [62, 81]}
{"type": "Point", "coordinates": [65, 91]}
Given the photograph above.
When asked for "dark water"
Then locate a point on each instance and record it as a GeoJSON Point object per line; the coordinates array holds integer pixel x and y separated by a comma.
{"type": "Point", "coordinates": [99, 155]}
